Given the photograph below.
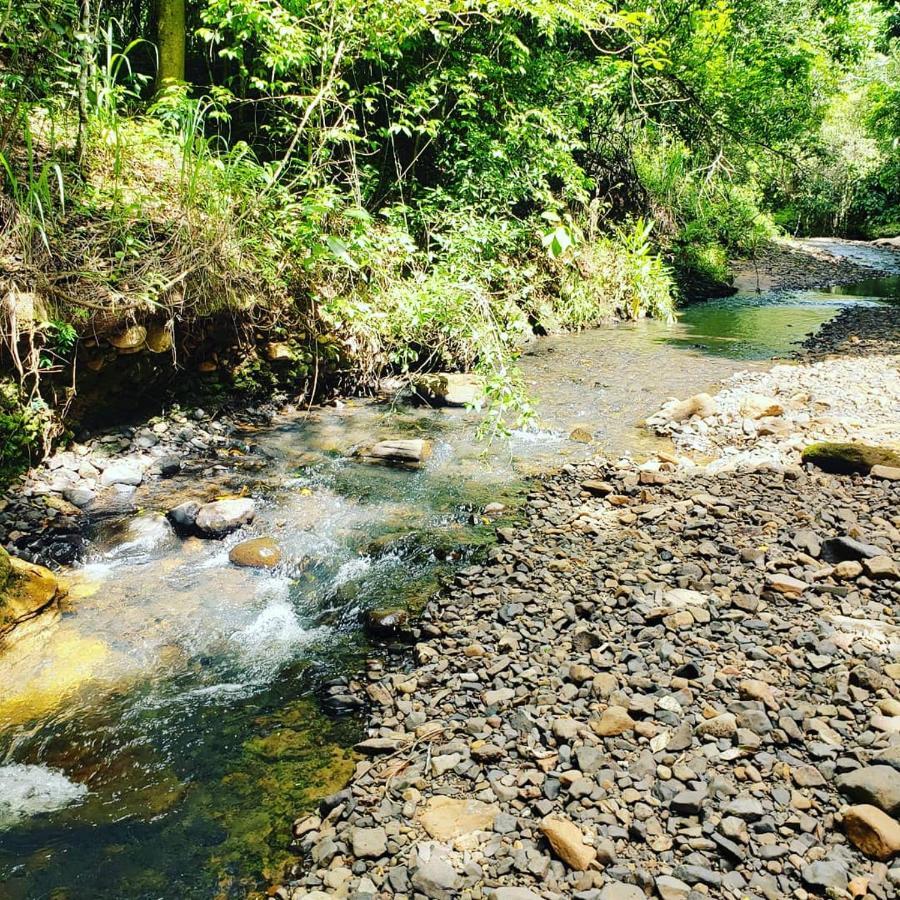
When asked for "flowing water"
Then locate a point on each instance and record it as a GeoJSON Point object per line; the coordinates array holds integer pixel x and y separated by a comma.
{"type": "Point", "coordinates": [157, 739]}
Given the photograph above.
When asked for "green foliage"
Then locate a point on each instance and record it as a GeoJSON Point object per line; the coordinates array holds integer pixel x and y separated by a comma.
{"type": "Point", "coordinates": [24, 427]}
{"type": "Point", "coordinates": [420, 183]}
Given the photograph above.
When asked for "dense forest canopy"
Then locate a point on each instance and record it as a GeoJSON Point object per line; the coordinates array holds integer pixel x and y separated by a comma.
{"type": "Point", "coordinates": [390, 184]}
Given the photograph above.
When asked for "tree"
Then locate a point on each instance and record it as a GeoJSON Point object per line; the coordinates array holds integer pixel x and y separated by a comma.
{"type": "Point", "coordinates": [170, 39]}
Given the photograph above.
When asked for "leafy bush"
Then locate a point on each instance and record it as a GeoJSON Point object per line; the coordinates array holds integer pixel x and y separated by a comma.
{"type": "Point", "coordinates": [25, 429]}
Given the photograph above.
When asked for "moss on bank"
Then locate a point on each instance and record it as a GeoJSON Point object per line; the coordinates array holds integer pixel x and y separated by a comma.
{"type": "Point", "coordinates": [849, 459]}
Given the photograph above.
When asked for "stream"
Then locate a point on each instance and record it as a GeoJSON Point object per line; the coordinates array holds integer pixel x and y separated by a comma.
{"type": "Point", "coordinates": [157, 740]}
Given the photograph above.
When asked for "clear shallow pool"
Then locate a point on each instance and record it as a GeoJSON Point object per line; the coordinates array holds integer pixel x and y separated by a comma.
{"type": "Point", "coordinates": [767, 325]}
{"type": "Point", "coordinates": [157, 740]}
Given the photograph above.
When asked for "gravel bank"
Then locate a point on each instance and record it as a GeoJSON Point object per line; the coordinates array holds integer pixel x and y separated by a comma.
{"type": "Point", "coordinates": [661, 684]}
{"type": "Point", "coordinates": [768, 417]}
{"type": "Point", "coordinates": [857, 331]}
{"type": "Point", "coordinates": [804, 264]}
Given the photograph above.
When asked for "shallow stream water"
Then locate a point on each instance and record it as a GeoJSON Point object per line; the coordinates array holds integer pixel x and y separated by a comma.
{"type": "Point", "coordinates": [157, 739]}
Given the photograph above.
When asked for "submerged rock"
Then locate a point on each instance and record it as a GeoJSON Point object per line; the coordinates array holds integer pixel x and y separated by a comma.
{"type": "Point", "coordinates": [387, 623]}
{"type": "Point", "coordinates": [28, 790]}
{"type": "Point", "coordinates": [849, 459]}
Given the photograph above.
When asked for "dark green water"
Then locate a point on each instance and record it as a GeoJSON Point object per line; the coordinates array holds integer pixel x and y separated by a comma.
{"type": "Point", "coordinates": [159, 738]}
{"type": "Point", "coordinates": [763, 326]}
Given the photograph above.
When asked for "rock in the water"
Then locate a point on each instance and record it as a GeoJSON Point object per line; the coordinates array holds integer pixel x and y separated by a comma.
{"type": "Point", "coordinates": [25, 591]}
{"type": "Point", "coordinates": [450, 389]}
{"type": "Point", "coordinates": [387, 623]}
{"type": "Point", "coordinates": [224, 516]}
{"type": "Point", "coordinates": [413, 450]}
{"type": "Point", "coordinates": [169, 465]}
{"type": "Point", "coordinates": [873, 785]}
{"type": "Point", "coordinates": [258, 553]}
{"type": "Point", "coordinates": [873, 831]}
{"type": "Point", "coordinates": [849, 459]}
{"type": "Point", "coordinates": [185, 514]}
{"type": "Point", "coordinates": [446, 818]}
{"type": "Point", "coordinates": [567, 841]}
{"type": "Point", "coordinates": [79, 496]}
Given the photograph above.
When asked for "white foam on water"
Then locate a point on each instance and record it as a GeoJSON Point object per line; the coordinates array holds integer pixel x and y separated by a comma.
{"type": "Point", "coordinates": [274, 634]}
{"type": "Point", "coordinates": [351, 570]}
{"type": "Point", "coordinates": [27, 790]}
{"type": "Point", "coordinates": [144, 534]}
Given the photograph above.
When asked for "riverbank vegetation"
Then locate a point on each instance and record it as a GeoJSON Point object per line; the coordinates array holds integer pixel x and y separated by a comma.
{"type": "Point", "coordinates": [344, 188]}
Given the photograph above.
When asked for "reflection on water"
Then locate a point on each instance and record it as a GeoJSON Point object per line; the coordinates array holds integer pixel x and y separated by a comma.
{"type": "Point", "coordinates": [157, 739]}
{"type": "Point", "coordinates": [763, 326]}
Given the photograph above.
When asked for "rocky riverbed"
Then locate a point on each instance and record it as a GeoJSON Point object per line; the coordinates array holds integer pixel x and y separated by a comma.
{"type": "Point", "coordinates": [814, 263]}
{"type": "Point", "coordinates": [676, 679]}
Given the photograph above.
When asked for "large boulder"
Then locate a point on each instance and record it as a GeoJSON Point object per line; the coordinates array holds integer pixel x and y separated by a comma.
{"type": "Point", "coordinates": [26, 590]}
{"type": "Point", "coordinates": [849, 459]}
{"type": "Point", "coordinates": [221, 517]}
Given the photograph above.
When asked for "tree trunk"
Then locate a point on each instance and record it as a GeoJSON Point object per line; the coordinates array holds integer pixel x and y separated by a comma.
{"type": "Point", "coordinates": [170, 36]}
{"type": "Point", "coordinates": [85, 61]}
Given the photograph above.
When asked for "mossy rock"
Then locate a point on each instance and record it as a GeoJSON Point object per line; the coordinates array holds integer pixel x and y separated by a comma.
{"type": "Point", "coordinates": [25, 591]}
{"type": "Point", "coordinates": [849, 459]}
